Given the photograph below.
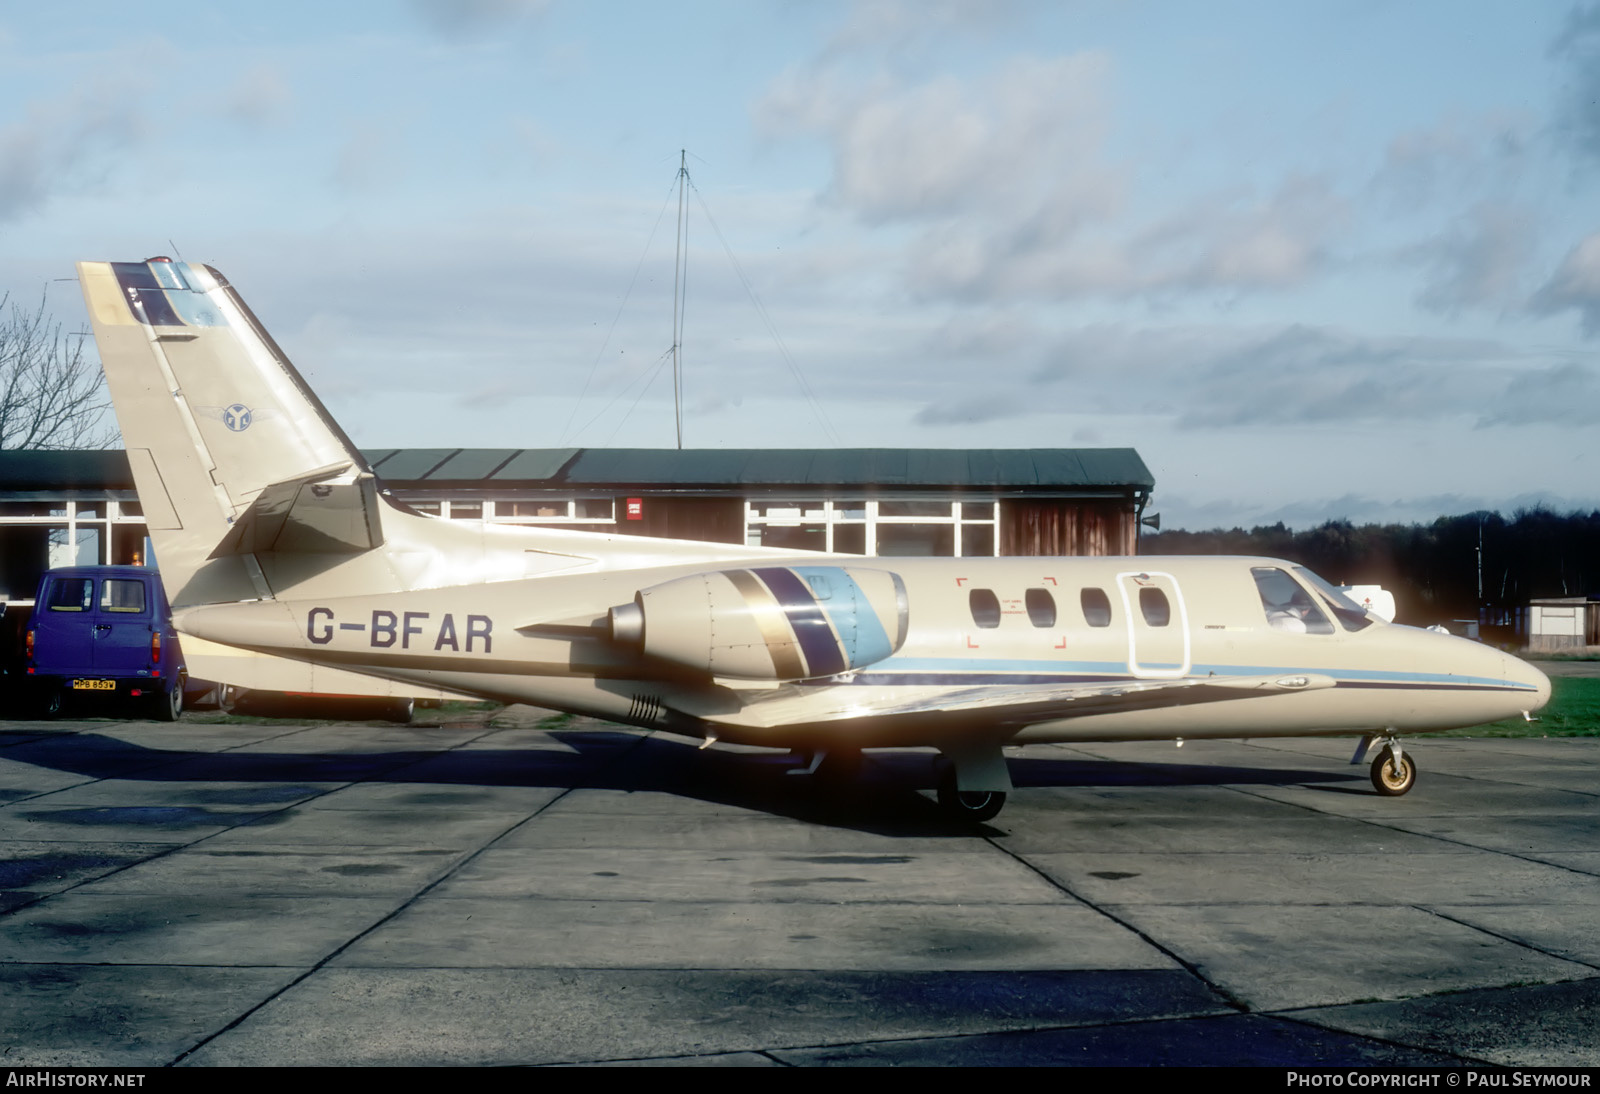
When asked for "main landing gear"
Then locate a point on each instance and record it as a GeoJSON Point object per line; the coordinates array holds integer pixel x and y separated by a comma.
{"type": "Point", "coordinates": [1393, 772]}
{"type": "Point", "coordinates": [973, 782]}
{"type": "Point", "coordinates": [971, 806]}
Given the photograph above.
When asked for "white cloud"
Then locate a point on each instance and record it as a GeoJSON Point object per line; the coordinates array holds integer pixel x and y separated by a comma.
{"type": "Point", "coordinates": [66, 144]}
{"type": "Point", "coordinates": [1575, 284]}
{"type": "Point", "coordinates": [1222, 378]}
{"type": "Point", "coordinates": [1477, 260]}
{"type": "Point", "coordinates": [1455, 159]}
{"type": "Point", "coordinates": [1026, 139]}
{"type": "Point", "coordinates": [1006, 187]}
{"type": "Point", "coordinates": [1578, 46]}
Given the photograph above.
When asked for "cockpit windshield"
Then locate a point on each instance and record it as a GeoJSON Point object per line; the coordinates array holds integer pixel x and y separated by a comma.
{"type": "Point", "coordinates": [1287, 605]}
{"type": "Point", "coordinates": [1351, 616]}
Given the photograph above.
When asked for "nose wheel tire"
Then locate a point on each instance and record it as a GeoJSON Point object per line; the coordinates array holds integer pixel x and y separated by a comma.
{"type": "Point", "coordinates": [970, 806]}
{"type": "Point", "coordinates": [1393, 779]}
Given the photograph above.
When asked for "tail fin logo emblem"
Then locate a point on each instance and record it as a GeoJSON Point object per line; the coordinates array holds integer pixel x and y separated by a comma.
{"type": "Point", "coordinates": [237, 417]}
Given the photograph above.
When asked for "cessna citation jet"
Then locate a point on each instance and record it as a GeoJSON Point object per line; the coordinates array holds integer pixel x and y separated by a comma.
{"type": "Point", "coordinates": [274, 536]}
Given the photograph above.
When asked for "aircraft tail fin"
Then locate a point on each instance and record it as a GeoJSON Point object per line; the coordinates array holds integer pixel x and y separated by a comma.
{"type": "Point", "coordinates": [231, 451]}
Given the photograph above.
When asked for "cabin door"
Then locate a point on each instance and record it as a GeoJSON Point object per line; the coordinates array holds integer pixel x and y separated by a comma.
{"type": "Point", "coordinates": [1158, 624]}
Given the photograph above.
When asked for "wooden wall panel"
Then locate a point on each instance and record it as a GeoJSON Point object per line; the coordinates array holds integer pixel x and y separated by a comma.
{"type": "Point", "coordinates": [1064, 526]}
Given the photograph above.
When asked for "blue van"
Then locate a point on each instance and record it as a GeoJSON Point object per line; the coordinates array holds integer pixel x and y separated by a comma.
{"type": "Point", "coordinates": [105, 632]}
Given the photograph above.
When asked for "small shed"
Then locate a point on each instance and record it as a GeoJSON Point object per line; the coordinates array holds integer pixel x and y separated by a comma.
{"type": "Point", "coordinates": [1563, 623]}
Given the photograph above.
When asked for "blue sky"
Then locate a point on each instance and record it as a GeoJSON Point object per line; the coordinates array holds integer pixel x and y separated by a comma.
{"type": "Point", "coordinates": [1311, 260]}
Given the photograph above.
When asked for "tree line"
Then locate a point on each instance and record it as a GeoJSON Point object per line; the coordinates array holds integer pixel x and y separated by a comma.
{"type": "Point", "coordinates": [1474, 566]}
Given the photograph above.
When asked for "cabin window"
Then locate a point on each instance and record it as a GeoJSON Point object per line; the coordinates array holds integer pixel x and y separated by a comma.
{"type": "Point", "coordinates": [985, 608]}
{"type": "Point", "coordinates": [1096, 607]}
{"type": "Point", "coordinates": [1041, 608]}
{"type": "Point", "coordinates": [120, 594]}
{"type": "Point", "coordinates": [1153, 603]}
{"type": "Point", "coordinates": [71, 594]}
{"type": "Point", "coordinates": [1289, 608]}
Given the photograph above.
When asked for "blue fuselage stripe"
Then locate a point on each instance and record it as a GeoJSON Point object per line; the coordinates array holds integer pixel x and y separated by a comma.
{"type": "Point", "coordinates": [966, 672]}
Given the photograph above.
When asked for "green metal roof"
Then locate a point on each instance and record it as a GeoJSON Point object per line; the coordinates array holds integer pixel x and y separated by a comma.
{"type": "Point", "coordinates": [55, 469]}
{"type": "Point", "coordinates": [706, 468]}
{"type": "Point", "coordinates": [903, 467]}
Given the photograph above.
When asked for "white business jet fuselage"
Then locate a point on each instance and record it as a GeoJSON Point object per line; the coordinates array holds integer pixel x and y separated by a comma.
{"type": "Point", "coordinates": [273, 535]}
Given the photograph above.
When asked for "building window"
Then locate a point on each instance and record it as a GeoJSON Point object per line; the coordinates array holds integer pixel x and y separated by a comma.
{"type": "Point", "coordinates": [977, 540]}
{"type": "Point", "coordinates": [916, 540]}
{"type": "Point", "coordinates": [893, 527]}
{"type": "Point", "coordinates": [792, 537]}
{"type": "Point", "coordinates": [915, 509]}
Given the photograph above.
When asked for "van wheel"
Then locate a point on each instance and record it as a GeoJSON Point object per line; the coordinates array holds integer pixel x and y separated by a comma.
{"type": "Point", "coordinates": [167, 705]}
{"type": "Point", "coordinates": [50, 703]}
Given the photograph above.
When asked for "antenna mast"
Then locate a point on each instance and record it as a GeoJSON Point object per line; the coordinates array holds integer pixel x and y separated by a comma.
{"type": "Point", "coordinates": [680, 290]}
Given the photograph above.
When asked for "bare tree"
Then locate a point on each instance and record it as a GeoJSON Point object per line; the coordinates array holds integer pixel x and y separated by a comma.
{"type": "Point", "coordinates": [51, 394]}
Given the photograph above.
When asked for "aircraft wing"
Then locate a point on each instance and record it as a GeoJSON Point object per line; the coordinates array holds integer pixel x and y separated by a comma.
{"type": "Point", "coordinates": [1012, 707]}
{"type": "Point", "coordinates": [1015, 706]}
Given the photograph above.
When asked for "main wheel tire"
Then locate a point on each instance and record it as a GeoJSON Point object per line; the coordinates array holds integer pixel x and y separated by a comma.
{"type": "Point", "coordinates": [51, 702]}
{"type": "Point", "coordinates": [971, 806]}
{"type": "Point", "coordinates": [1391, 779]}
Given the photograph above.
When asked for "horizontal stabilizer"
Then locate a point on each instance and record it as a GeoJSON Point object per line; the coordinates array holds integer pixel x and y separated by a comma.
{"type": "Point", "coordinates": [309, 514]}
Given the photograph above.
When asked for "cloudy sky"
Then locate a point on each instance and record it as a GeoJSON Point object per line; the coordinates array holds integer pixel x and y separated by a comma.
{"type": "Point", "coordinates": [1312, 260]}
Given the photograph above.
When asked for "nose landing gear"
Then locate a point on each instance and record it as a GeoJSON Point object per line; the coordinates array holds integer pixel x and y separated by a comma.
{"type": "Point", "coordinates": [1393, 772]}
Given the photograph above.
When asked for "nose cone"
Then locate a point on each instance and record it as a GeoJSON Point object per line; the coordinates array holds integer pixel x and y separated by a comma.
{"type": "Point", "coordinates": [1519, 671]}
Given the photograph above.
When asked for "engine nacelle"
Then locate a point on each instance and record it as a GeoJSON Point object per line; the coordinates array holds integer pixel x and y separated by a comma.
{"type": "Point", "coordinates": [769, 622]}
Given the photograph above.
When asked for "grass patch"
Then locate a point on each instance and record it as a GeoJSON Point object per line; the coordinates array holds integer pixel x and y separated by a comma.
{"type": "Point", "coordinates": [1574, 711]}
